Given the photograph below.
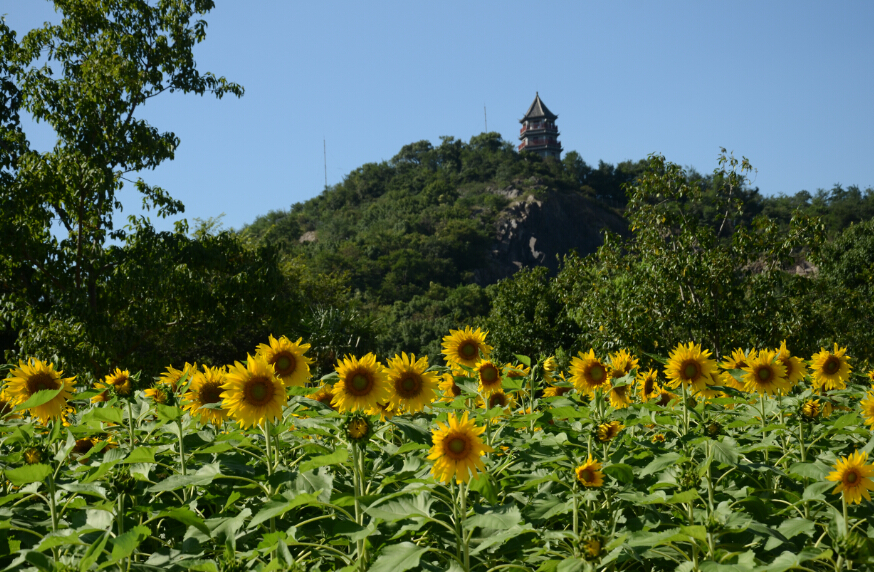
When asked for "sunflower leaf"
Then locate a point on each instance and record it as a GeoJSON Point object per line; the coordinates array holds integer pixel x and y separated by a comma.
{"type": "Point", "coordinates": [338, 456]}
{"type": "Point", "coordinates": [39, 398]}
{"type": "Point", "coordinates": [28, 474]}
{"type": "Point", "coordinates": [168, 413]}
{"type": "Point", "coordinates": [621, 472]}
{"type": "Point", "coordinates": [525, 360]}
{"type": "Point", "coordinates": [398, 557]}
{"type": "Point", "coordinates": [501, 517]}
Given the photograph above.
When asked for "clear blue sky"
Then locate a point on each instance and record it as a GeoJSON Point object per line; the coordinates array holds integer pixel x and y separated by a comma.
{"type": "Point", "coordinates": [788, 84]}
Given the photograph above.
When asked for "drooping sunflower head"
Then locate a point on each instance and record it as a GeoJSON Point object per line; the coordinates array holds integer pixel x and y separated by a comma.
{"type": "Point", "coordinates": [411, 386]}
{"type": "Point", "coordinates": [868, 408]}
{"type": "Point", "coordinates": [457, 450]}
{"type": "Point", "coordinates": [830, 369]}
{"type": "Point", "coordinates": [489, 377]}
{"type": "Point", "coordinates": [690, 366]}
{"type": "Point", "coordinates": [253, 393]}
{"type": "Point", "coordinates": [516, 370]}
{"type": "Point", "coordinates": [649, 385]}
{"type": "Point", "coordinates": [588, 373]}
{"type": "Point", "coordinates": [160, 393]}
{"type": "Point", "coordinates": [362, 385]}
{"type": "Point", "coordinates": [795, 369]}
{"type": "Point", "coordinates": [172, 377]}
{"type": "Point", "coordinates": [450, 390]}
{"type": "Point", "coordinates": [607, 431]}
{"type": "Point", "coordinates": [737, 360]}
{"type": "Point", "coordinates": [466, 347]}
{"type": "Point", "coordinates": [205, 389]}
{"type": "Point", "coordinates": [288, 360]}
{"type": "Point", "coordinates": [34, 376]}
{"type": "Point", "coordinates": [550, 365]}
{"type": "Point", "coordinates": [619, 397]}
{"type": "Point", "coordinates": [324, 395]}
{"type": "Point", "coordinates": [852, 475]}
{"type": "Point", "coordinates": [589, 473]}
{"type": "Point", "coordinates": [622, 363]}
{"type": "Point", "coordinates": [765, 374]}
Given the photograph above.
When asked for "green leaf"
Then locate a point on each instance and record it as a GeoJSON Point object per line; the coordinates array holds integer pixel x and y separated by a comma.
{"type": "Point", "coordinates": [186, 517]}
{"type": "Point", "coordinates": [105, 415]}
{"type": "Point", "coordinates": [846, 420]}
{"type": "Point", "coordinates": [204, 476]}
{"type": "Point", "coordinates": [93, 553]}
{"type": "Point", "coordinates": [338, 456]}
{"type": "Point", "coordinates": [141, 455]}
{"type": "Point", "coordinates": [398, 558]}
{"type": "Point", "coordinates": [663, 461]}
{"type": "Point", "coordinates": [278, 508]}
{"type": "Point", "coordinates": [484, 484]}
{"type": "Point", "coordinates": [61, 538]}
{"type": "Point", "coordinates": [685, 496]}
{"type": "Point", "coordinates": [28, 474]}
{"type": "Point", "coordinates": [39, 398]}
{"type": "Point", "coordinates": [124, 545]}
{"type": "Point", "coordinates": [621, 472]}
{"type": "Point", "coordinates": [404, 507]}
{"type": "Point", "coordinates": [572, 565]}
{"type": "Point", "coordinates": [725, 451]}
{"type": "Point", "coordinates": [168, 413]}
{"type": "Point", "coordinates": [808, 470]}
{"type": "Point", "coordinates": [497, 518]}
{"type": "Point", "coordinates": [697, 532]}
{"type": "Point", "coordinates": [796, 526]}
{"type": "Point", "coordinates": [525, 360]}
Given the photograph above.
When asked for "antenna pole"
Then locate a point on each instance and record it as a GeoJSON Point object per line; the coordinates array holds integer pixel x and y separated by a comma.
{"type": "Point", "coordinates": [325, 153]}
{"type": "Point", "coordinates": [486, 117]}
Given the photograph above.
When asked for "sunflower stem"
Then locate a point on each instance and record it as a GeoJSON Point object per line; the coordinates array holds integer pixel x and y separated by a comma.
{"type": "Point", "coordinates": [356, 490]}
{"type": "Point", "coordinates": [764, 424]}
{"type": "Point", "coordinates": [130, 424]}
{"type": "Point", "coordinates": [685, 410]}
{"type": "Point", "coordinates": [269, 452]}
{"type": "Point", "coordinates": [181, 447]}
{"type": "Point", "coordinates": [846, 518]}
{"type": "Point", "coordinates": [462, 493]}
{"type": "Point", "coordinates": [576, 522]}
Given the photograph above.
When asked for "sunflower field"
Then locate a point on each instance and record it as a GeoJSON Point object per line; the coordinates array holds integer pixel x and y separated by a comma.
{"type": "Point", "coordinates": [617, 462]}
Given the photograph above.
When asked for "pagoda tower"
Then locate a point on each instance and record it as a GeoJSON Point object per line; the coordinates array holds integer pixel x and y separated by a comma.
{"type": "Point", "coordinates": [539, 133]}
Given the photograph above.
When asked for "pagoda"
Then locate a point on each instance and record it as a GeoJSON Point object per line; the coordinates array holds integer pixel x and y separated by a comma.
{"type": "Point", "coordinates": [539, 133]}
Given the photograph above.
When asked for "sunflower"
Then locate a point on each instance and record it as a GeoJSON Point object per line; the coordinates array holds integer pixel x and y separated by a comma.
{"type": "Point", "coordinates": [7, 406]}
{"type": "Point", "coordinates": [766, 375]}
{"type": "Point", "coordinates": [160, 393]}
{"type": "Point", "coordinates": [253, 393]}
{"type": "Point", "coordinates": [706, 392]}
{"type": "Point", "coordinates": [649, 385]}
{"type": "Point", "coordinates": [84, 446]}
{"type": "Point", "coordinates": [593, 548]}
{"type": "Point", "coordinates": [35, 376]}
{"type": "Point", "coordinates": [499, 399]}
{"type": "Point", "coordinates": [466, 347]}
{"type": "Point", "coordinates": [358, 428]}
{"type": "Point", "coordinates": [288, 360]}
{"type": "Point", "coordinates": [206, 388]}
{"type": "Point", "coordinates": [868, 409]}
{"type": "Point", "coordinates": [450, 389]}
{"type": "Point", "coordinates": [737, 360]}
{"type": "Point", "coordinates": [664, 398]}
{"type": "Point", "coordinates": [363, 384]}
{"type": "Point", "coordinates": [385, 411]}
{"type": "Point", "coordinates": [589, 473]}
{"type": "Point", "coordinates": [489, 377]}
{"type": "Point", "coordinates": [619, 397]}
{"type": "Point", "coordinates": [588, 373]}
{"type": "Point", "coordinates": [517, 370]}
{"type": "Point", "coordinates": [811, 409]}
{"type": "Point", "coordinates": [325, 395]}
{"type": "Point", "coordinates": [690, 366]}
{"type": "Point", "coordinates": [794, 365]}
{"type": "Point", "coordinates": [457, 450]}
{"type": "Point", "coordinates": [118, 382]}
{"type": "Point", "coordinates": [556, 390]}
{"type": "Point", "coordinates": [658, 438]}
{"type": "Point", "coordinates": [607, 431]}
{"type": "Point", "coordinates": [622, 363]}
{"type": "Point", "coordinates": [173, 376]}
{"type": "Point", "coordinates": [831, 370]}
{"type": "Point", "coordinates": [34, 455]}
{"type": "Point", "coordinates": [851, 473]}
{"type": "Point", "coordinates": [550, 365]}
{"type": "Point", "coordinates": [411, 386]}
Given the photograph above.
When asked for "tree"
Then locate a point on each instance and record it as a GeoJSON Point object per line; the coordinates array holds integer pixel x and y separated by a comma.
{"type": "Point", "coordinates": [87, 77]}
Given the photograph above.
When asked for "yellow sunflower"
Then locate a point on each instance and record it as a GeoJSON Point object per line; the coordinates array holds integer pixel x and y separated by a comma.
{"type": "Point", "coordinates": [362, 385]}
{"type": "Point", "coordinates": [457, 450]}
{"type": "Point", "coordinates": [206, 388]}
{"type": "Point", "coordinates": [517, 370]}
{"type": "Point", "coordinates": [34, 376]}
{"type": "Point", "coordinates": [173, 376]}
{"type": "Point", "coordinates": [795, 369]}
{"type": "Point", "coordinates": [325, 394]}
{"type": "Point", "coordinates": [831, 370]}
{"type": "Point", "coordinates": [466, 347]}
{"type": "Point", "coordinates": [588, 373]}
{"type": "Point", "coordinates": [288, 360]}
{"type": "Point", "coordinates": [449, 388]}
{"type": "Point", "coordinates": [589, 473]}
{"type": "Point", "coordinates": [119, 380]}
{"type": "Point", "coordinates": [7, 405]}
{"type": "Point", "coordinates": [411, 386]}
{"type": "Point", "coordinates": [649, 385]}
{"type": "Point", "coordinates": [499, 399]}
{"type": "Point", "coordinates": [664, 398]}
{"type": "Point", "coordinates": [690, 366]}
{"type": "Point", "coordinates": [658, 438]}
{"type": "Point", "coordinates": [851, 473]}
{"type": "Point", "coordinates": [550, 365]}
{"type": "Point", "coordinates": [622, 363]}
{"type": "Point", "coordinates": [737, 360]}
{"type": "Point", "coordinates": [619, 396]}
{"type": "Point", "coordinates": [34, 455]}
{"type": "Point", "coordinates": [868, 409]}
{"type": "Point", "coordinates": [811, 409]}
{"type": "Point", "coordinates": [84, 446]}
{"type": "Point", "coordinates": [607, 431]}
{"type": "Point", "coordinates": [385, 411]}
{"type": "Point", "coordinates": [766, 375]}
{"type": "Point", "coordinates": [253, 393]}
{"type": "Point", "coordinates": [160, 393]}
{"type": "Point", "coordinates": [556, 390]}
{"type": "Point", "coordinates": [489, 377]}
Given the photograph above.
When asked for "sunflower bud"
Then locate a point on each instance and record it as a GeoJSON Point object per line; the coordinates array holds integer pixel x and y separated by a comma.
{"type": "Point", "coordinates": [713, 430]}
{"type": "Point", "coordinates": [123, 482]}
{"type": "Point", "coordinates": [34, 455]}
{"type": "Point", "coordinates": [358, 429]}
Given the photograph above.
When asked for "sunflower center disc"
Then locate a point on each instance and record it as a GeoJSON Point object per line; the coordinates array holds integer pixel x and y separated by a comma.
{"type": "Point", "coordinates": [597, 373]}
{"type": "Point", "coordinates": [852, 477]}
{"type": "Point", "coordinates": [587, 475]}
{"type": "Point", "coordinates": [359, 382]}
{"type": "Point", "coordinates": [497, 400]}
{"type": "Point", "coordinates": [40, 382]}
{"type": "Point", "coordinates": [283, 364]}
{"type": "Point", "coordinates": [831, 365]}
{"type": "Point", "coordinates": [259, 390]}
{"type": "Point", "coordinates": [409, 385]}
{"type": "Point", "coordinates": [210, 394]}
{"type": "Point", "coordinates": [468, 350]}
{"type": "Point", "coordinates": [691, 371]}
{"type": "Point", "coordinates": [456, 445]}
{"type": "Point", "coordinates": [764, 374]}
{"type": "Point", "coordinates": [489, 374]}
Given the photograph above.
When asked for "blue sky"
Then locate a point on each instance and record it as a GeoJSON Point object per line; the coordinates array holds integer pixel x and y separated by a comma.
{"type": "Point", "coordinates": [790, 85]}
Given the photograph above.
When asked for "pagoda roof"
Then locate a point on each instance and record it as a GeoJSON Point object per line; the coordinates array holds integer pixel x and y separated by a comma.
{"type": "Point", "coordinates": [538, 110]}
